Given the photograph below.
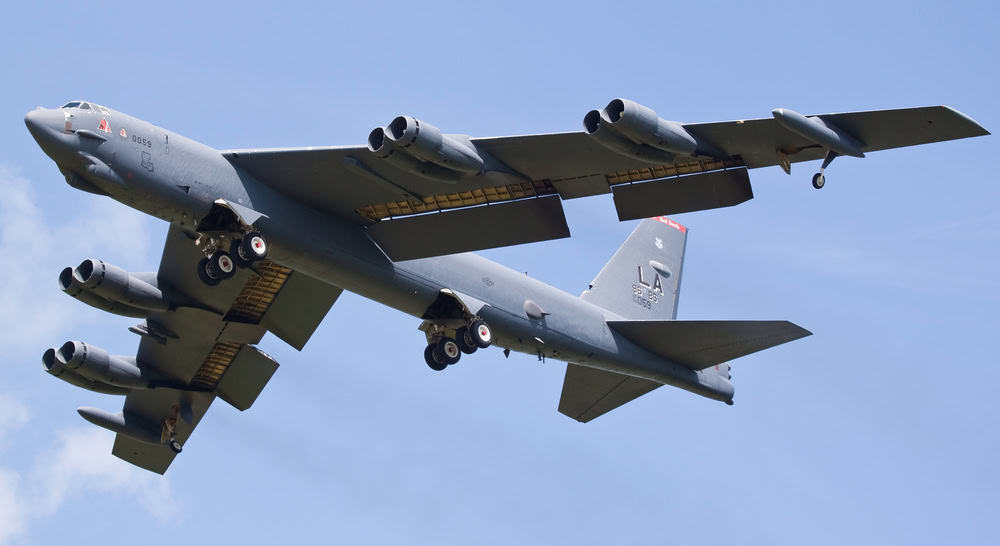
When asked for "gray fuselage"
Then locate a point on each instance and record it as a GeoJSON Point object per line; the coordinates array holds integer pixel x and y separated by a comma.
{"type": "Point", "coordinates": [177, 179]}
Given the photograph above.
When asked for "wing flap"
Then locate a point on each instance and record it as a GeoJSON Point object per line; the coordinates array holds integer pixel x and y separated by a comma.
{"type": "Point", "coordinates": [703, 191]}
{"type": "Point", "coordinates": [700, 344]}
{"type": "Point", "coordinates": [246, 377]}
{"type": "Point", "coordinates": [300, 307]}
{"type": "Point", "coordinates": [588, 393]}
{"type": "Point", "coordinates": [153, 458]}
{"type": "Point", "coordinates": [465, 230]}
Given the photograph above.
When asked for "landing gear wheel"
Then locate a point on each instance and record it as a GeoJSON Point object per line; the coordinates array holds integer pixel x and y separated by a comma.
{"type": "Point", "coordinates": [221, 265]}
{"type": "Point", "coordinates": [431, 361]}
{"type": "Point", "coordinates": [205, 275]}
{"type": "Point", "coordinates": [254, 246]}
{"type": "Point", "coordinates": [174, 446]}
{"type": "Point", "coordinates": [481, 334]}
{"type": "Point", "coordinates": [448, 350]}
{"type": "Point", "coordinates": [819, 180]}
{"type": "Point", "coordinates": [465, 341]}
{"type": "Point", "coordinates": [240, 258]}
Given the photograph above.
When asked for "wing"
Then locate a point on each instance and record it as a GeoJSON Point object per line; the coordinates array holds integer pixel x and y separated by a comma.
{"type": "Point", "coordinates": [205, 347]}
{"type": "Point", "coordinates": [390, 194]}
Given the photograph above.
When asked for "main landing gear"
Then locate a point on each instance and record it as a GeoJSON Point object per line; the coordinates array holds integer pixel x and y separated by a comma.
{"type": "Point", "coordinates": [443, 350]}
{"type": "Point", "coordinates": [219, 265]}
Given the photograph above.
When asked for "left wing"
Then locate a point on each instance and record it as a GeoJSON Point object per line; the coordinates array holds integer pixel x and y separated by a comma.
{"type": "Point", "coordinates": [204, 347]}
{"type": "Point", "coordinates": [652, 167]}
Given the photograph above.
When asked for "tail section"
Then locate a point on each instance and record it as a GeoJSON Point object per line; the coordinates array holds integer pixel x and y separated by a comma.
{"type": "Point", "coordinates": [640, 284]}
{"type": "Point", "coordinates": [643, 278]}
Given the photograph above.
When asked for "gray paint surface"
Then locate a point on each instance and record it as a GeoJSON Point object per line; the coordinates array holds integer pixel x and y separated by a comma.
{"type": "Point", "coordinates": [307, 199]}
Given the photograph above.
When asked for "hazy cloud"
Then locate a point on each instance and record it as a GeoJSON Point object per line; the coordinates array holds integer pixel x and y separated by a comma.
{"type": "Point", "coordinates": [78, 464]}
{"type": "Point", "coordinates": [13, 415]}
{"type": "Point", "coordinates": [101, 228]}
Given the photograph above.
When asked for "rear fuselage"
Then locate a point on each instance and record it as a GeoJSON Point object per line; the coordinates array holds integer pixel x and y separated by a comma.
{"type": "Point", "coordinates": [177, 179]}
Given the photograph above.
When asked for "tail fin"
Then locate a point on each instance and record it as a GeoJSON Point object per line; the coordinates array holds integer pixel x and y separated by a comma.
{"type": "Point", "coordinates": [643, 278]}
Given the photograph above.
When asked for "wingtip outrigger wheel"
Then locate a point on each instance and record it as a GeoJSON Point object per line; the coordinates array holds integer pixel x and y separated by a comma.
{"type": "Point", "coordinates": [819, 180]}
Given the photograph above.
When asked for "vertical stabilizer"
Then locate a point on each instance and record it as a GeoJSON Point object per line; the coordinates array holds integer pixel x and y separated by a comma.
{"type": "Point", "coordinates": [643, 278]}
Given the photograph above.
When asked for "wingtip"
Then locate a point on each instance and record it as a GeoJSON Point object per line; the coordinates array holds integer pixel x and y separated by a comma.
{"type": "Point", "coordinates": [979, 130]}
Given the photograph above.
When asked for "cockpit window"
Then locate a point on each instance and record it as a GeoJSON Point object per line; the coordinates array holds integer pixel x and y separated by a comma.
{"type": "Point", "coordinates": [103, 110]}
{"type": "Point", "coordinates": [74, 104]}
{"type": "Point", "coordinates": [84, 106]}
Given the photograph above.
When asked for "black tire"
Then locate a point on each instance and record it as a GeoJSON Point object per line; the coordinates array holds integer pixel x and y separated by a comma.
{"type": "Point", "coordinates": [237, 252]}
{"type": "Point", "coordinates": [255, 246]}
{"type": "Point", "coordinates": [431, 361]}
{"type": "Point", "coordinates": [481, 334]}
{"type": "Point", "coordinates": [465, 341]}
{"type": "Point", "coordinates": [449, 351]}
{"type": "Point", "coordinates": [204, 275]}
{"type": "Point", "coordinates": [819, 181]}
{"type": "Point", "coordinates": [221, 265]}
{"type": "Point", "coordinates": [175, 446]}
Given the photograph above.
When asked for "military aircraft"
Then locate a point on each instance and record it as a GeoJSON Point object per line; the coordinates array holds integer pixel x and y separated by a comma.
{"type": "Point", "coordinates": [267, 239]}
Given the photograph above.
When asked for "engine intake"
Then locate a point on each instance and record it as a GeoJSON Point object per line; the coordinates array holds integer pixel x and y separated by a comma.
{"type": "Point", "coordinates": [58, 369]}
{"type": "Point", "coordinates": [421, 148]}
{"type": "Point", "coordinates": [113, 289]}
{"type": "Point", "coordinates": [76, 360]}
{"type": "Point", "coordinates": [636, 130]}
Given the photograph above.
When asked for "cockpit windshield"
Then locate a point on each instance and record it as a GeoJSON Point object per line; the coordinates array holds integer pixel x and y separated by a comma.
{"type": "Point", "coordinates": [83, 105]}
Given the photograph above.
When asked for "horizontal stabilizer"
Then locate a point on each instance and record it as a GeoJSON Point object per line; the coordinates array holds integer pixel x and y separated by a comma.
{"type": "Point", "coordinates": [699, 344]}
{"type": "Point", "coordinates": [589, 393]}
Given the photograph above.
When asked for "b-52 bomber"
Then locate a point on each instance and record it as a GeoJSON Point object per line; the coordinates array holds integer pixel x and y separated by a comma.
{"type": "Point", "coordinates": [267, 239]}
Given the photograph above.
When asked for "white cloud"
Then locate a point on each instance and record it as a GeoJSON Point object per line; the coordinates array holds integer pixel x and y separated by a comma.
{"type": "Point", "coordinates": [11, 514]}
{"type": "Point", "coordinates": [34, 315]}
{"type": "Point", "coordinates": [100, 228]}
{"type": "Point", "coordinates": [78, 464]}
{"type": "Point", "coordinates": [13, 415]}
{"type": "Point", "coordinates": [81, 462]}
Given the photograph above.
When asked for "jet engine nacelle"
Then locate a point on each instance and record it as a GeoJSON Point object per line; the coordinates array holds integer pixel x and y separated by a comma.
{"type": "Point", "coordinates": [634, 124]}
{"type": "Point", "coordinates": [58, 369]}
{"type": "Point", "coordinates": [421, 148]}
{"type": "Point", "coordinates": [76, 359]}
{"type": "Point", "coordinates": [113, 289]}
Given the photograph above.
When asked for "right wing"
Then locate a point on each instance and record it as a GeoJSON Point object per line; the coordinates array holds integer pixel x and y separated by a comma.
{"type": "Point", "coordinates": [390, 194]}
{"type": "Point", "coordinates": [205, 346]}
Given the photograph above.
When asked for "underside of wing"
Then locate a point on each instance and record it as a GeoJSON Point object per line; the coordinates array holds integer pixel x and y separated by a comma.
{"type": "Point", "coordinates": [653, 167]}
{"type": "Point", "coordinates": [199, 345]}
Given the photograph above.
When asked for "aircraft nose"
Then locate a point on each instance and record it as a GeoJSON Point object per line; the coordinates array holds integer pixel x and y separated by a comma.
{"type": "Point", "coordinates": [41, 119]}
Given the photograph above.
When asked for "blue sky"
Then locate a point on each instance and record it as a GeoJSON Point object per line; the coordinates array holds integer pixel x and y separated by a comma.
{"type": "Point", "coordinates": [879, 428]}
